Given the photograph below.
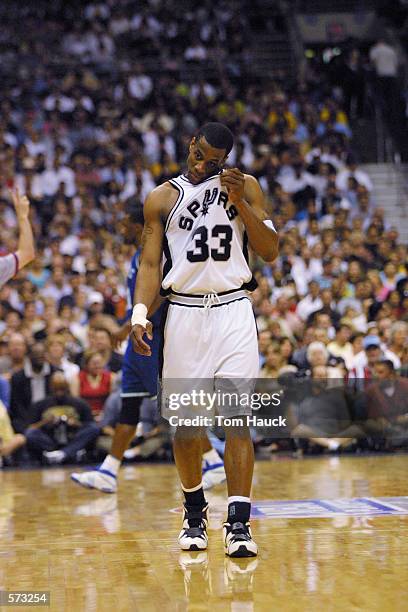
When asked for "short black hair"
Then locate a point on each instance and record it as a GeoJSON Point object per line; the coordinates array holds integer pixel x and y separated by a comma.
{"type": "Point", "coordinates": [388, 363]}
{"type": "Point", "coordinates": [217, 135]}
{"type": "Point", "coordinates": [135, 212]}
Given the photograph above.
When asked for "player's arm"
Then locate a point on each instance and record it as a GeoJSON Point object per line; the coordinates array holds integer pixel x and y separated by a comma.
{"type": "Point", "coordinates": [149, 273]}
{"type": "Point", "coordinates": [246, 194]}
{"type": "Point", "coordinates": [124, 330]}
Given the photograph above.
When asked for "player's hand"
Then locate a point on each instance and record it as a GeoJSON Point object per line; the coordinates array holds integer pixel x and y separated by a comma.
{"type": "Point", "coordinates": [119, 336]}
{"type": "Point", "coordinates": [234, 181]}
{"type": "Point", "coordinates": [21, 203]}
{"type": "Point", "coordinates": [137, 333]}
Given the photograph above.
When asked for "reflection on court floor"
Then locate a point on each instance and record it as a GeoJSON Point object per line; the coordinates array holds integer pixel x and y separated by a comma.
{"type": "Point", "coordinates": [339, 528]}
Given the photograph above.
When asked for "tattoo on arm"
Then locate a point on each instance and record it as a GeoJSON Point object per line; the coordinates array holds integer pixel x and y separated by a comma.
{"type": "Point", "coordinates": [147, 231]}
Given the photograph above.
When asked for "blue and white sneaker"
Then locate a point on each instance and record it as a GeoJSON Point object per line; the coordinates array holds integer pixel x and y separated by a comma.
{"type": "Point", "coordinates": [213, 474]}
{"type": "Point", "coordinates": [103, 480]}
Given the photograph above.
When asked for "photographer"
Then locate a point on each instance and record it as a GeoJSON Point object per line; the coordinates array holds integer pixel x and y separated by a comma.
{"type": "Point", "coordinates": [63, 426]}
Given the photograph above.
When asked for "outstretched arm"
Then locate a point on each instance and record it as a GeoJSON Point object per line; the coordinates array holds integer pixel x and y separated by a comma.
{"type": "Point", "coordinates": [10, 264]}
{"type": "Point", "coordinates": [246, 194]}
{"type": "Point", "coordinates": [25, 252]}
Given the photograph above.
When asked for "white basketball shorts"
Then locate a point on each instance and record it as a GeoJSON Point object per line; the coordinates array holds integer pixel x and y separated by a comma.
{"type": "Point", "coordinates": [212, 349]}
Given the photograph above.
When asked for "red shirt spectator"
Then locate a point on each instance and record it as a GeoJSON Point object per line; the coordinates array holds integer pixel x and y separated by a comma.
{"type": "Point", "coordinates": [94, 384]}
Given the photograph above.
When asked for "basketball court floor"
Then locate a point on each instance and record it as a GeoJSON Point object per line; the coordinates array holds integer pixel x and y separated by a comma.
{"type": "Point", "coordinates": [343, 549]}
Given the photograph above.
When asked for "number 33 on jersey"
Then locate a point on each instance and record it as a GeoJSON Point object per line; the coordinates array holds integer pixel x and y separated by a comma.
{"type": "Point", "coordinates": [205, 243]}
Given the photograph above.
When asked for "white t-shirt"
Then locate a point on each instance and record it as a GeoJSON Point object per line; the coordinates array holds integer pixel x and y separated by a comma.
{"type": "Point", "coordinates": [8, 268]}
{"type": "Point", "coordinates": [385, 60]}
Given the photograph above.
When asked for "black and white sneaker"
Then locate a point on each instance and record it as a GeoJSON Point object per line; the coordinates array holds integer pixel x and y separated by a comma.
{"type": "Point", "coordinates": [193, 535]}
{"type": "Point", "coordinates": [238, 540]}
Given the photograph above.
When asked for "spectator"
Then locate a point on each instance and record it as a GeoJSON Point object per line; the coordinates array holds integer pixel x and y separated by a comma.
{"type": "Point", "coordinates": [9, 440]}
{"type": "Point", "coordinates": [323, 416]}
{"type": "Point", "coordinates": [273, 363]}
{"type": "Point", "coordinates": [264, 340]}
{"type": "Point", "coordinates": [352, 170]}
{"type": "Point", "coordinates": [318, 355]}
{"type": "Point", "coordinates": [387, 405]}
{"type": "Point", "coordinates": [17, 352]}
{"type": "Point", "coordinates": [363, 363]}
{"type": "Point", "coordinates": [385, 60]}
{"type": "Point", "coordinates": [63, 426]}
{"type": "Point", "coordinates": [341, 346]}
{"type": "Point", "coordinates": [398, 342]}
{"type": "Point", "coordinates": [93, 383]}
{"type": "Point", "coordinates": [103, 345]}
{"type": "Point", "coordinates": [56, 345]}
{"type": "Point", "coordinates": [29, 385]}
{"type": "Point", "coordinates": [311, 303]}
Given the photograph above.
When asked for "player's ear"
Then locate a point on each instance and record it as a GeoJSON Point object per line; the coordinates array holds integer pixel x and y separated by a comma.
{"type": "Point", "coordinates": [192, 143]}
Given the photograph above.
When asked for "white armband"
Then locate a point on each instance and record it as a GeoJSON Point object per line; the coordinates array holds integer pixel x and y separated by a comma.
{"type": "Point", "coordinates": [139, 315]}
{"type": "Point", "coordinates": [271, 226]}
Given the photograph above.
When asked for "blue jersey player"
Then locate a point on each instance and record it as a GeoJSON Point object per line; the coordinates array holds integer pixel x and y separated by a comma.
{"type": "Point", "coordinates": [139, 375]}
{"type": "Point", "coordinates": [139, 381]}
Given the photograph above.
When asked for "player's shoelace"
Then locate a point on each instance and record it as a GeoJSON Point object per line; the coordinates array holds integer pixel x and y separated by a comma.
{"type": "Point", "coordinates": [196, 523]}
{"type": "Point", "coordinates": [239, 532]}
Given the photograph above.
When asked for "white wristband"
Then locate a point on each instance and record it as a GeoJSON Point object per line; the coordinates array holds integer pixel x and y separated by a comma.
{"type": "Point", "coordinates": [139, 315]}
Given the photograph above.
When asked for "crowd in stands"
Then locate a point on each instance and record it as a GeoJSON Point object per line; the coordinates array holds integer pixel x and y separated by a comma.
{"type": "Point", "coordinates": [82, 138]}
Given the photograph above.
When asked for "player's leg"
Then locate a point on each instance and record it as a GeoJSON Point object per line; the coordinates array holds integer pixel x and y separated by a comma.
{"type": "Point", "coordinates": [239, 461]}
{"type": "Point", "coordinates": [104, 478]}
{"type": "Point", "coordinates": [238, 359]}
{"type": "Point", "coordinates": [149, 431]}
{"type": "Point", "coordinates": [212, 465]}
{"type": "Point", "coordinates": [187, 449]}
{"type": "Point", "coordinates": [184, 363]}
{"type": "Point", "coordinates": [123, 436]}
{"type": "Point", "coordinates": [239, 466]}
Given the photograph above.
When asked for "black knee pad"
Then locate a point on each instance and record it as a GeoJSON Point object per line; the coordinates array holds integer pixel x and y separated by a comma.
{"type": "Point", "coordinates": [130, 411]}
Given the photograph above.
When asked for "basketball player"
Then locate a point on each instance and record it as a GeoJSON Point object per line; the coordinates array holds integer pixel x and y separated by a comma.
{"type": "Point", "coordinates": [200, 224]}
{"type": "Point", "coordinates": [10, 264]}
{"type": "Point", "coordinates": [139, 381]}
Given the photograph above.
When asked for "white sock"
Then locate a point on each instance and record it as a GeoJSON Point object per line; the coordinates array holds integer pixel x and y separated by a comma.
{"type": "Point", "coordinates": [196, 488]}
{"type": "Point", "coordinates": [239, 498]}
{"type": "Point", "coordinates": [111, 464]}
{"type": "Point", "coordinates": [212, 457]}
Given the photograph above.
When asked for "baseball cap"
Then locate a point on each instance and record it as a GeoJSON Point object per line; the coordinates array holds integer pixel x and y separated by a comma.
{"type": "Point", "coordinates": [371, 341]}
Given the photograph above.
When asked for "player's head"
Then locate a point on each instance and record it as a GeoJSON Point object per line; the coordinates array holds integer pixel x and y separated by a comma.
{"type": "Point", "coordinates": [131, 227]}
{"type": "Point", "coordinates": [208, 151]}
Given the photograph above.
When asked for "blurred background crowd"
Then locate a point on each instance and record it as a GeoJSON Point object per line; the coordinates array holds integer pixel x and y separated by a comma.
{"type": "Point", "coordinates": [97, 106]}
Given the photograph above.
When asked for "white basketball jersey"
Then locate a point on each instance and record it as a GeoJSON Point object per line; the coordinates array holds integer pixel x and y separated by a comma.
{"type": "Point", "coordinates": [205, 243]}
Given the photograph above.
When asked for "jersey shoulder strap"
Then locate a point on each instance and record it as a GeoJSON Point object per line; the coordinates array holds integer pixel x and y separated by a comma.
{"type": "Point", "coordinates": [178, 184]}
